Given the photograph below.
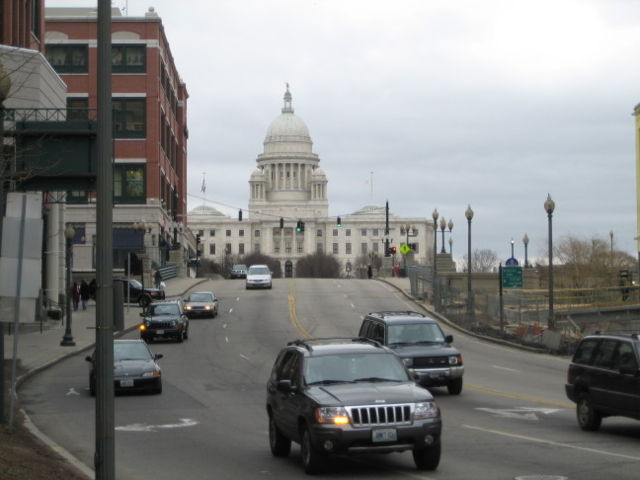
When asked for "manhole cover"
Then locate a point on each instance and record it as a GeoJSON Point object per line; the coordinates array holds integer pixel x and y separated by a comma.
{"type": "Point", "coordinates": [541, 477]}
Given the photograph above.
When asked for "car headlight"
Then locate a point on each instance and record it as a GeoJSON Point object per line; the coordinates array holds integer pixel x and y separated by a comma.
{"type": "Point", "coordinates": [152, 373]}
{"type": "Point", "coordinates": [455, 360]}
{"type": "Point", "coordinates": [187, 307]}
{"type": "Point", "coordinates": [143, 326]}
{"type": "Point", "coordinates": [408, 362]}
{"type": "Point", "coordinates": [207, 307]}
{"type": "Point", "coordinates": [335, 415]}
{"type": "Point", "coordinates": [426, 410]}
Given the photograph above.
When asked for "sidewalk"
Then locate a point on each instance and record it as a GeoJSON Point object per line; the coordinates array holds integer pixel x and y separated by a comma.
{"type": "Point", "coordinates": [38, 350]}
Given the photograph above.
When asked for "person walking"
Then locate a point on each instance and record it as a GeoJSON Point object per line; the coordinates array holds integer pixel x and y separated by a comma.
{"type": "Point", "coordinates": [75, 295]}
{"type": "Point", "coordinates": [93, 286]}
{"type": "Point", "coordinates": [157, 277]}
{"type": "Point", "coordinates": [84, 294]}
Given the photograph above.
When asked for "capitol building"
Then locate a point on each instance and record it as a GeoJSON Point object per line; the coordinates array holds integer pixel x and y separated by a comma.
{"type": "Point", "coordinates": [288, 187]}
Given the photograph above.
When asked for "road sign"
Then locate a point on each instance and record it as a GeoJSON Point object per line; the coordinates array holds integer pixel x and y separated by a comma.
{"type": "Point", "coordinates": [511, 276]}
{"type": "Point", "coordinates": [404, 249]}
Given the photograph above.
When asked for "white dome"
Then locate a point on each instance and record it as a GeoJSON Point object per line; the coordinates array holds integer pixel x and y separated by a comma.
{"type": "Point", "coordinates": [287, 125]}
{"type": "Point", "coordinates": [287, 134]}
{"type": "Point", "coordinates": [318, 172]}
{"type": "Point", "coordinates": [257, 174]}
{"type": "Point", "coordinates": [203, 210]}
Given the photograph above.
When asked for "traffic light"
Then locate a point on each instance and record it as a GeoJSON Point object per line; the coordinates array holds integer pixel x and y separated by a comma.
{"type": "Point", "coordinates": [393, 250]}
{"type": "Point", "coordinates": [281, 222]}
{"type": "Point", "coordinates": [302, 226]}
{"type": "Point", "coordinates": [198, 239]}
{"type": "Point", "coordinates": [338, 222]}
{"type": "Point", "coordinates": [240, 215]}
{"type": "Point", "coordinates": [299, 226]}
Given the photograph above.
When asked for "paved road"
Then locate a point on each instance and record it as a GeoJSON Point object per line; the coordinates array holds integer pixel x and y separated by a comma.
{"type": "Point", "coordinates": [511, 419]}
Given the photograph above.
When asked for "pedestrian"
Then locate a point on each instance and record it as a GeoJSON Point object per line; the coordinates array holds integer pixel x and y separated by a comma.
{"type": "Point", "coordinates": [93, 286]}
{"type": "Point", "coordinates": [157, 277]}
{"type": "Point", "coordinates": [369, 272]}
{"type": "Point", "coordinates": [75, 295]}
{"type": "Point", "coordinates": [84, 293]}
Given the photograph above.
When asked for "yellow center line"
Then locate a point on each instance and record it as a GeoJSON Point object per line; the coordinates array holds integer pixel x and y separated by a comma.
{"type": "Point", "coordinates": [293, 316]}
{"type": "Point", "coordinates": [516, 396]}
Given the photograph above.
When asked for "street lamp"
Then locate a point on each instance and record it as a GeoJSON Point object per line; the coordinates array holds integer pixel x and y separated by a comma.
{"type": "Point", "coordinates": [512, 242]}
{"type": "Point", "coordinates": [469, 214]}
{"type": "Point", "coordinates": [525, 240]}
{"type": "Point", "coordinates": [443, 225]}
{"type": "Point", "coordinates": [451, 246]}
{"type": "Point", "coordinates": [435, 216]}
{"type": "Point", "coordinates": [67, 339]}
{"type": "Point", "coordinates": [549, 206]}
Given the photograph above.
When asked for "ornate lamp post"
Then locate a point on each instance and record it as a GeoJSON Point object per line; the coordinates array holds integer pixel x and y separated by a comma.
{"type": "Point", "coordinates": [443, 225]}
{"type": "Point", "coordinates": [549, 207]}
{"type": "Point", "coordinates": [67, 339]}
{"type": "Point", "coordinates": [451, 247]}
{"type": "Point", "coordinates": [525, 240]}
{"type": "Point", "coordinates": [435, 216]}
{"type": "Point", "coordinates": [469, 214]}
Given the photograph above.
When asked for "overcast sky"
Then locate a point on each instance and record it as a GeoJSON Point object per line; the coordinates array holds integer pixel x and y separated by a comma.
{"type": "Point", "coordinates": [448, 103]}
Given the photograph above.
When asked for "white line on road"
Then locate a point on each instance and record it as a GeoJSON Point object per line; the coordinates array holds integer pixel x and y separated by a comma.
{"type": "Point", "coordinates": [353, 307]}
{"type": "Point", "coordinates": [72, 391]}
{"type": "Point", "coordinates": [551, 442]}
{"type": "Point", "coordinates": [224, 325]}
{"type": "Point", "coordinates": [505, 368]}
{"type": "Point", "coordinates": [141, 427]}
{"type": "Point", "coordinates": [231, 310]}
{"type": "Point", "coordinates": [226, 339]}
{"type": "Point", "coordinates": [245, 357]}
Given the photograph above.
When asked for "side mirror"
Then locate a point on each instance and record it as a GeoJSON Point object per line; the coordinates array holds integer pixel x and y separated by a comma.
{"type": "Point", "coordinates": [448, 339]}
{"type": "Point", "coordinates": [285, 386]}
{"type": "Point", "coordinates": [88, 359]}
{"type": "Point", "coordinates": [158, 356]}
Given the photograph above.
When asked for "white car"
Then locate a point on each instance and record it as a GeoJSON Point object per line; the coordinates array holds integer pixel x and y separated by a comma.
{"type": "Point", "coordinates": [258, 276]}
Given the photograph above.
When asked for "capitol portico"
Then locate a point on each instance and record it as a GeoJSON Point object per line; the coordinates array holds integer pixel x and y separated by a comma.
{"type": "Point", "coordinates": [288, 186]}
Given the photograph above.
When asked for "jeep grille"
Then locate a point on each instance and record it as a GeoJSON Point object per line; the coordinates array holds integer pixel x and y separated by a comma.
{"type": "Point", "coordinates": [430, 362]}
{"type": "Point", "coordinates": [380, 415]}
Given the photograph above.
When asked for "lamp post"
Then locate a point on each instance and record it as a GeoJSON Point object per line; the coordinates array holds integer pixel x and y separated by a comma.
{"type": "Point", "coordinates": [512, 242]}
{"type": "Point", "coordinates": [67, 339]}
{"type": "Point", "coordinates": [469, 214]}
{"type": "Point", "coordinates": [525, 240]}
{"type": "Point", "coordinates": [435, 216]}
{"type": "Point", "coordinates": [451, 247]}
{"type": "Point", "coordinates": [549, 206]}
{"type": "Point", "coordinates": [443, 225]}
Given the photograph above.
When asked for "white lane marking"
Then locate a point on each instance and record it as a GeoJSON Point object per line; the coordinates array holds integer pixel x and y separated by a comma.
{"type": "Point", "coordinates": [521, 413]}
{"type": "Point", "coordinates": [551, 442]}
{"type": "Point", "coordinates": [506, 368]}
{"type": "Point", "coordinates": [231, 310]}
{"type": "Point", "coordinates": [237, 299]}
{"type": "Point", "coordinates": [224, 325]}
{"type": "Point", "coordinates": [226, 339]}
{"type": "Point", "coordinates": [141, 427]}
{"type": "Point", "coordinates": [72, 391]}
{"type": "Point", "coordinates": [353, 307]}
{"type": "Point", "coordinates": [245, 357]}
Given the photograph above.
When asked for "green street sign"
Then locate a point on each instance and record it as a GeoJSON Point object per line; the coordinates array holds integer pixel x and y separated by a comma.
{"type": "Point", "coordinates": [512, 276]}
{"type": "Point", "coordinates": [404, 249]}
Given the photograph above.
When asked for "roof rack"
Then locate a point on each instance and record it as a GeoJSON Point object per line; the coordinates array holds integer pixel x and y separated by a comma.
{"type": "Point", "coordinates": [624, 333]}
{"type": "Point", "coordinates": [306, 342]}
{"type": "Point", "coordinates": [396, 313]}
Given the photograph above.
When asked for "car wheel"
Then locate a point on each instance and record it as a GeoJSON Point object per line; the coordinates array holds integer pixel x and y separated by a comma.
{"type": "Point", "coordinates": [280, 445]}
{"type": "Point", "coordinates": [588, 417]}
{"type": "Point", "coordinates": [455, 386]}
{"type": "Point", "coordinates": [158, 388]}
{"type": "Point", "coordinates": [312, 459]}
{"type": "Point", "coordinates": [144, 301]}
{"type": "Point", "coordinates": [180, 337]}
{"type": "Point", "coordinates": [186, 333]}
{"type": "Point", "coordinates": [146, 339]}
{"type": "Point", "coordinates": [427, 458]}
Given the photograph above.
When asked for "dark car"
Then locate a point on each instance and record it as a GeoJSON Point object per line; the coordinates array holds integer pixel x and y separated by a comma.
{"type": "Point", "coordinates": [164, 320]}
{"type": "Point", "coordinates": [134, 368]}
{"type": "Point", "coordinates": [349, 396]}
{"type": "Point", "coordinates": [604, 379]}
{"type": "Point", "coordinates": [137, 293]}
{"type": "Point", "coordinates": [421, 343]}
{"type": "Point", "coordinates": [238, 271]}
{"type": "Point", "coordinates": [201, 304]}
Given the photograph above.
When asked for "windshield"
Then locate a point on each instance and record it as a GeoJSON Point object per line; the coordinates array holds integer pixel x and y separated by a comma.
{"type": "Point", "coordinates": [135, 283]}
{"type": "Point", "coordinates": [354, 368]}
{"type": "Point", "coordinates": [414, 333]}
{"type": "Point", "coordinates": [130, 351]}
{"type": "Point", "coordinates": [259, 271]}
{"type": "Point", "coordinates": [171, 309]}
{"type": "Point", "coordinates": [200, 297]}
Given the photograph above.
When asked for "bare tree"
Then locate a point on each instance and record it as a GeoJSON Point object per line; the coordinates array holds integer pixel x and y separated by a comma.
{"type": "Point", "coordinates": [318, 265]}
{"type": "Point", "coordinates": [482, 260]}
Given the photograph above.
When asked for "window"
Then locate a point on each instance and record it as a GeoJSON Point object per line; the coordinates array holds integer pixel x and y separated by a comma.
{"type": "Point", "coordinates": [212, 249]}
{"type": "Point", "coordinates": [318, 233]}
{"type": "Point", "coordinates": [227, 248]}
{"type": "Point", "coordinates": [605, 356]}
{"type": "Point", "coordinates": [128, 58]}
{"type": "Point", "coordinates": [375, 232]}
{"type": "Point", "coordinates": [363, 232]}
{"type": "Point", "coordinates": [335, 248]}
{"type": "Point", "coordinates": [68, 58]}
{"type": "Point", "coordinates": [319, 247]}
{"type": "Point", "coordinates": [241, 233]}
{"type": "Point", "coordinates": [201, 233]}
{"type": "Point", "coordinates": [241, 249]}
{"type": "Point", "coordinates": [376, 247]}
{"type": "Point", "coordinates": [256, 248]}
{"type": "Point", "coordinates": [257, 233]}
{"type": "Point", "coordinates": [129, 118]}
{"type": "Point", "coordinates": [77, 108]}
{"type": "Point", "coordinates": [335, 232]}
{"type": "Point", "coordinates": [129, 183]}
{"type": "Point", "coordinates": [212, 233]}
{"type": "Point", "coordinates": [348, 249]}
{"type": "Point", "coordinates": [347, 232]}
{"type": "Point", "coordinates": [363, 248]}
{"type": "Point", "coordinates": [77, 196]}
{"type": "Point", "coordinates": [228, 233]}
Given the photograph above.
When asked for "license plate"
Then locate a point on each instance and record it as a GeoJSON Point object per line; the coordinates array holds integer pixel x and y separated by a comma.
{"type": "Point", "coordinates": [159, 332]}
{"type": "Point", "coordinates": [384, 435]}
{"type": "Point", "coordinates": [126, 382]}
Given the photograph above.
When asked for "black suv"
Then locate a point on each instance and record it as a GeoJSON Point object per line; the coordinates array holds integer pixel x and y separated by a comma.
{"type": "Point", "coordinates": [164, 320]}
{"type": "Point", "coordinates": [346, 396]}
{"type": "Point", "coordinates": [604, 378]}
{"type": "Point", "coordinates": [139, 294]}
{"type": "Point", "coordinates": [421, 344]}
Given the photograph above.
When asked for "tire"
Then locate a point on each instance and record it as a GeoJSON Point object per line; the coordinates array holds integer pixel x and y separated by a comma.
{"type": "Point", "coordinates": [312, 459]}
{"type": "Point", "coordinates": [455, 386]}
{"type": "Point", "coordinates": [180, 337]}
{"type": "Point", "coordinates": [186, 334]}
{"type": "Point", "coordinates": [146, 339]}
{"type": "Point", "coordinates": [158, 388]}
{"type": "Point", "coordinates": [280, 445]}
{"type": "Point", "coordinates": [144, 301]}
{"type": "Point", "coordinates": [588, 417]}
{"type": "Point", "coordinates": [427, 458]}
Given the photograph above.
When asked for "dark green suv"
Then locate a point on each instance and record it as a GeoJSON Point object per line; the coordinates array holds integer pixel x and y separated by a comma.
{"type": "Point", "coordinates": [604, 378]}
{"type": "Point", "coordinates": [348, 396]}
{"type": "Point", "coordinates": [422, 345]}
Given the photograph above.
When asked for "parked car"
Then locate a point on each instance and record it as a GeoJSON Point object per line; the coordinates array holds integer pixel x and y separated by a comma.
{"type": "Point", "coordinates": [238, 271]}
{"type": "Point", "coordinates": [258, 276]}
{"type": "Point", "coordinates": [139, 294]}
{"type": "Point", "coordinates": [201, 304]}
{"type": "Point", "coordinates": [604, 379]}
{"type": "Point", "coordinates": [164, 320]}
{"type": "Point", "coordinates": [421, 343]}
{"type": "Point", "coordinates": [347, 396]}
{"type": "Point", "coordinates": [135, 368]}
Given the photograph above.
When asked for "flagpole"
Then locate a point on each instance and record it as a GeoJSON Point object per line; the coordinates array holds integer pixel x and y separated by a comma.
{"type": "Point", "coordinates": [203, 189]}
{"type": "Point", "coordinates": [371, 182]}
